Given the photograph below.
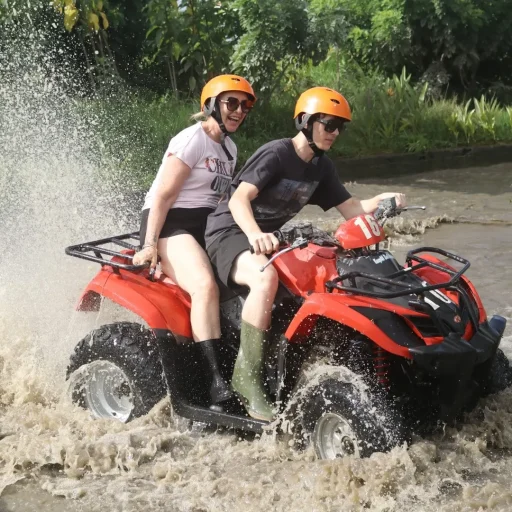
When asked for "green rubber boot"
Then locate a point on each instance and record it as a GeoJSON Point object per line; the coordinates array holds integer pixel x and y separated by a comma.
{"type": "Point", "coordinates": [247, 374]}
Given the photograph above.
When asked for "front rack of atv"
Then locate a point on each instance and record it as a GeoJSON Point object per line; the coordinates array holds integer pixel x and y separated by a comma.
{"type": "Point", "coordinates": [94, 251]}
{"type": "Point", "coordinates": [452, 284]}
{"type": "Point", "coordinates": [391, 280]}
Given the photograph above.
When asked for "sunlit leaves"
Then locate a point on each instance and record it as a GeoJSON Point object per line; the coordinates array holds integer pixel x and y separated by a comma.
{"type": "Point", "coordinates": [460, 36]}
{"type": "Point", "coordinates": [70, 16]}
{"type": "Point", "coordinates": [93, 21]}
{"type": "Point", "coordinates": [87, 13]}
{"type": "Point", "coordinates": [192, 38]}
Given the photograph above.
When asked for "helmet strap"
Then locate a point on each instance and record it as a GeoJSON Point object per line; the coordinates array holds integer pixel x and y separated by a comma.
{"type": "Point", "coordinates": [214, 111]}
{"type": "Point", "coordinates": [305, 125]}
{"type": "Point", "coordinates": [309, 136]}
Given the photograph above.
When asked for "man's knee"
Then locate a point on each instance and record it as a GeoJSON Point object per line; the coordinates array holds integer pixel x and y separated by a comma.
{"type": "Point", "coordinates": [264, 282]}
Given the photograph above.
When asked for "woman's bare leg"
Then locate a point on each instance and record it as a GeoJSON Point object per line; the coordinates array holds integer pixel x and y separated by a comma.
{"type": "Point", "coordinates": [187, 264]}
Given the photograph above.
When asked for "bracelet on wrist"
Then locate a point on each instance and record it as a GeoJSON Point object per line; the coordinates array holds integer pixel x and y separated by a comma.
{"type": "Point", "coordinates": [148, 245]}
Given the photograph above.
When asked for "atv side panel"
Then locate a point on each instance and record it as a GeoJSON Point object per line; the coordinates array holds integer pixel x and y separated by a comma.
{"type": "Point", "coordinates": [333, 306]}
{"type": "Point", "coordinates": [144, 298]}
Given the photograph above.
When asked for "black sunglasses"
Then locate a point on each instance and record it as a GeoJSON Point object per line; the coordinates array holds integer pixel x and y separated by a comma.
{"type": "Point", "coordinates": [233, 103]}
{"type": "Point", "coordinates": [333, 124]}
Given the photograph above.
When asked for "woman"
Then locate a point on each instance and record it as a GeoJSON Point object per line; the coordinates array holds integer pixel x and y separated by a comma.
{"type": "Point", "coordinates": [274, 185]}
{"type": "Point", "coordinates": [196, 171]}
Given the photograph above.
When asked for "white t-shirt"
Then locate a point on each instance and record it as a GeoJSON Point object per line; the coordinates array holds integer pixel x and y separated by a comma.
{"type": "Point", "coordinates": [211, 173]}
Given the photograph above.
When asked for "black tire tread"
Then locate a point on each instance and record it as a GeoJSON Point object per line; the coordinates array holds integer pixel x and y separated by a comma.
{"type": "Point", "coordinates": [377, 424]}
{"type": "Point", "coordinates": [133, 348]}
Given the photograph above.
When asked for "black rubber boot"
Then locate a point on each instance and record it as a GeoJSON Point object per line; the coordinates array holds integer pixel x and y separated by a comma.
{"type": "Point", "coordinates": [219, 390]}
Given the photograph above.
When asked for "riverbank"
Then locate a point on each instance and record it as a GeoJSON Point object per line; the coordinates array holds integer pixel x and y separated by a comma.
{"type": "Point", "coordinates": [395, 128]}
{"type": "Point", "coordinates": [391, 165]}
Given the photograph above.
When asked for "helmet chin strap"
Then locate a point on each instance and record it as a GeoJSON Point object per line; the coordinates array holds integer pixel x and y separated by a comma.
{"type": "Point", "coordinates": [308, 132]}
{"type": "Point", "coordinates": [306, 127]}
{"type": "Point", "coordinates": [215, 113]}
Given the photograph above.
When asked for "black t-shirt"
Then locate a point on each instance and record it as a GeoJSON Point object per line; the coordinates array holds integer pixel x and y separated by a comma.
{"type": "Point", "coordinates": [286, 184]}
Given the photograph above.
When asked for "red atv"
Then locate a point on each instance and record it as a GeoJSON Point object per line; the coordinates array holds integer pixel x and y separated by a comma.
{"type": "Point", "coordinates": [364, 351]}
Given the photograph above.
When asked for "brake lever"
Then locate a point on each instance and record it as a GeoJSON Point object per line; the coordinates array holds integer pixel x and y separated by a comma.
{"type": "Point", "coordinates": [299, 243]}
{"type": "Point", "coordinates": [405, 208]}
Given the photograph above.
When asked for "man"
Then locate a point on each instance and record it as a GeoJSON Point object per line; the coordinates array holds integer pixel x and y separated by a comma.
{"type": "Point", "coordinates": [280, 179]}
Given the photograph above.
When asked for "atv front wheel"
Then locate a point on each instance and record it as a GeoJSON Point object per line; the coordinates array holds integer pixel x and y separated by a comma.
{"type": "Point", "coordinates": [338, 420]}
{"type": "Point", "coordinates": [498, 375]}
{"type": "Point", "coordinates": [115, 372]}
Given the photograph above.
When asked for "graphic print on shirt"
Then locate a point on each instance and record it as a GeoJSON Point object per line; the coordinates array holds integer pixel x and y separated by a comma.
{"type": "Point", "coordinates": [285, 199]}
{"type": "Point", "coordinates": [224, 173]}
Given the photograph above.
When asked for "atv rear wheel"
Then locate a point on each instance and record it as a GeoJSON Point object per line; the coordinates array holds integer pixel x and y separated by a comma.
{"type": "Point", "coordinates": [339, 420]}
{"type": "Point", "coordinates": [115, 372]}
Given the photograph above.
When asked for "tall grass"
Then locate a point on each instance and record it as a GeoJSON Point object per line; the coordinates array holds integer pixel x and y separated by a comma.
{"type": "Point", "coordinates": [390, 115]}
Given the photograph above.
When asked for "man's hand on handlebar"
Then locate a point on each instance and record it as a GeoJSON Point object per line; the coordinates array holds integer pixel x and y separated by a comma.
{"type": "Point", "coordinates": [263, 243]}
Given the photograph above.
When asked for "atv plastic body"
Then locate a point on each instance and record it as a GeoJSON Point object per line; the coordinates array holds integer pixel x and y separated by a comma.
{"type": "Point", "coordinates": [418, 334]}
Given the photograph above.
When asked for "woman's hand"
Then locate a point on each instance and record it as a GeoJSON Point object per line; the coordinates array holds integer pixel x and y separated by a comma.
{"type": "Point", "coordinates": [263, 243]}
{"type": "Point", "coordinates": [146, 254]}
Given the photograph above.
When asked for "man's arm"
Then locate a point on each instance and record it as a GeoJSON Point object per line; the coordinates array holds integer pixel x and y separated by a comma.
{"type": "Point", "coordinates": [241, 209]}
{"type": "Point", "coordinates": [353, 207]}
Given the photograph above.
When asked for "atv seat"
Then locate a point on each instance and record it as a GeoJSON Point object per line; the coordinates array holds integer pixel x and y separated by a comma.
{"type": "Point", "coordinates": [224, 292]}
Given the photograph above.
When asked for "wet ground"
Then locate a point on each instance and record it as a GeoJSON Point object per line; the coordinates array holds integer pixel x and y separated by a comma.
{"type": "Point", "coordinates": [55, 458]}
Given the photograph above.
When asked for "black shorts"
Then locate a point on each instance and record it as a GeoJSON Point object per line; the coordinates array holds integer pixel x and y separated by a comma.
{"type": "Point", "coordinates": [179, 221]}
{"type": "Point", "coordinates": [223, 252]}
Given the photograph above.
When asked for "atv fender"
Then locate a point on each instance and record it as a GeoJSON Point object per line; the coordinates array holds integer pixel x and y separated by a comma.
{"type": "Point", "coordinates": [144, 298]}
{"type": "Point", "coordinates": [332, 306]}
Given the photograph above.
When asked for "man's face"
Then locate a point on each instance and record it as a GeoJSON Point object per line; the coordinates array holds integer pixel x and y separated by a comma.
{"type": "Point", "coordinates": [325, 130]}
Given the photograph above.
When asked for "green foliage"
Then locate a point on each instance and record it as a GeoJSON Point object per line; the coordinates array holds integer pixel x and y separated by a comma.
{"type": "Point", "coordinates": [389, 116]}
{"type": "Point", "coordinates": [279, 37]}
{"type": "Point", "coordinates": [465, 37]}
{"type": "Point", "coordinates": [192, 38]}
{"type": "Point", "coordinates": [477, 124]}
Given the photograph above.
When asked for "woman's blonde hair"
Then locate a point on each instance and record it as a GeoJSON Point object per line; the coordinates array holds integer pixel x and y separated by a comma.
{"type": "Point", "coordinates": [199, 116]}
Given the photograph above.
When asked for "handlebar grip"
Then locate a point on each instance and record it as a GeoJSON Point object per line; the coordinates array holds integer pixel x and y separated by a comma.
{"type": "Point", "coordinates": [277, 234]}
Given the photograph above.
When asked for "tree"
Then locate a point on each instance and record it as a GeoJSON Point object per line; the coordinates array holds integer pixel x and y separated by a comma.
{"type": "Point", "coordinates": [461, 37]}
{"type": "Point", "coordinates": [280, 36]}
{"type": "Point", "coordinates": [89, 20]}
{"type": "Point", "coordinates": [192, 38]}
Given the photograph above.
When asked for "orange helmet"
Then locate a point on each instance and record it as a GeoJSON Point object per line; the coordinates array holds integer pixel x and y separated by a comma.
{"type": "Point", "coordinates": [220, 84]}
{"type": "Point", "coordinates": [320, 100]}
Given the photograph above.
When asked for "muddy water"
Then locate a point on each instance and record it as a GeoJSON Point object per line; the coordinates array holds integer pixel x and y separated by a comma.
{"type": "Point", "coordinates": [54, 457]}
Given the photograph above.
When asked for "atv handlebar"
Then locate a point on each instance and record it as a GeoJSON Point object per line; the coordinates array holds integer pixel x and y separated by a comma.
{"type": "Point", "coordinates": [299, 235]}
{"type": "Point", "coordinates": [388, 208]}
{"type": "Point", "coordinates": [296, 236]}
{"type": "Point", "coordinates": [299, 243]}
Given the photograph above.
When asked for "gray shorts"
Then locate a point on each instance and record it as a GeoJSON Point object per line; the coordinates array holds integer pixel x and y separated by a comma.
{"type": "Point", "coordinates": [223, 252]}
